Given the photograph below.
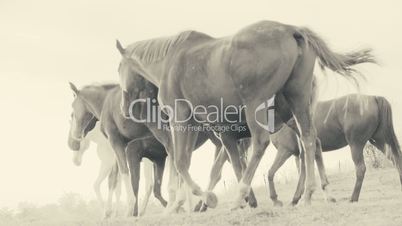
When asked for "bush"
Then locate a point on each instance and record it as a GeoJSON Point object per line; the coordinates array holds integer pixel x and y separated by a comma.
{"type": "Point", "coordinates": [375, 158]}
{"type": "Point", "coordinates": [71, 208]}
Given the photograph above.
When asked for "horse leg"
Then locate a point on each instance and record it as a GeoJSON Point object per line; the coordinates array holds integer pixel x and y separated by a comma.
{"type": "Point", "coordinates": [159, 168]}
{"type": "Point", "coordinates": [297, 162]}
{"type": "Point", "coordinates": [242, 149]}
{"type": "Point", "coordinates": [281, 156]}
{"type": "Point", "coordinates": [104, 171]}
{"type": "Point", "coordinates": [358, 160]}
{"type": "Point", "coordinates": [216, 171]}
{"type": "Point", "coordinates": [302, 179]}
{"type": "Point", "coordinates": [119, 147]}
{"type": "Point", "coordinates": [182, 194]}
{"type": "Point", "coordinates": [134, 161]}
{"type": "Point", "coordinates": [189, 198]}
{"type": "Point", "coordinates": [117, 193]}
{"type": "Point", "coordinates": [321, 171]}
{"type": "Point", "coordinates": [148, 174]}
{"type": "Point", "coordinates": [172, 184]}
{"type": "Point", "coordinates": [231, 147]}
{"type": "Point", "coordinates": [112, 184]}
{"type": "Point", "coordinates": [308, 136]}
{"type": "Point", "coordinates": [260, 140]}
{"type": "Point", "coordinates": [215, 175]}
{"type": "Point", "coordinates": [298, 92]}
{"type": "Point", "coordinates": [184, 143]}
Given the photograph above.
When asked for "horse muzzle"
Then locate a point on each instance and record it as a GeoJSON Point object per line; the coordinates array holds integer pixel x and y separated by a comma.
{"type": "Point", "coordinates": [74, 144]}
{"type": "Point", "coordinates": [77, 158]}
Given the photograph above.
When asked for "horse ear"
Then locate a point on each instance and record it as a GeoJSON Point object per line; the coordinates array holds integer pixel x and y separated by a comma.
{"type": "Point", "coordinates": [120, 47]}
{"type": "Point", "coordinates": [74, 88]}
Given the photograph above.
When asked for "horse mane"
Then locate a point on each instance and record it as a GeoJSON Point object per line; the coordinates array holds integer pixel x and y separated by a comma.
{"type": "Point", "coordinates": [110, 86]}
{"type": "Point", "coordinates": [106, 86]}
{"type": "Point", "coordinates": [154, 50]}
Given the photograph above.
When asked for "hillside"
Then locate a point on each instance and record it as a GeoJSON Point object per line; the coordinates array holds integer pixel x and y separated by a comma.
{"type": "Point", "coordinates": [380, 204]}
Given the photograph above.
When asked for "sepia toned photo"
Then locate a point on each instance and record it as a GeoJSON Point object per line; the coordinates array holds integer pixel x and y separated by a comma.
{"type": "Point", "coordinates": [179, 112]}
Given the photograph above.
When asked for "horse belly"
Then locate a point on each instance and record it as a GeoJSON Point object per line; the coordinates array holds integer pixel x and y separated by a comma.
{"type": "Point", "coordinates": [331, 139]}
{"type": "Point", "coordinates": [132, 130]}
{"type": "Point", "coordinates": [216, 104]}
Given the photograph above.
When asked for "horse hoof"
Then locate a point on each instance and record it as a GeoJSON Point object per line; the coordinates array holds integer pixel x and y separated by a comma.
{"type": "Point", "coordinates": [293, 203]}
{"type": "Point", "coordinates": [210, 199]}
{"type": "Point", "coordinates": [331, 199]}
{"type": "Point", "coordinates": [239, 205]}
{"type": "Point", "coordinates": [253, 204]}
{"type": "Point", "coordinates": [197, 207]}
{"type": "Point", "coordinates": [107, 214]}
{"type": "Point", "coordinates": [278, 203]}
{"type": "Point", "coordinates": [203, 208]}
{"type": "Point", "coordinates": [164, 203]}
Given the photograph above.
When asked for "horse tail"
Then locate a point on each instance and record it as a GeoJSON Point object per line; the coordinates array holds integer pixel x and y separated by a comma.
{"type": "Point", "coordinates": [113, 177]}
{"type": "Point", "coordinates": [337, 62]}
{"type": "Point", "coordinates": [386, 126]}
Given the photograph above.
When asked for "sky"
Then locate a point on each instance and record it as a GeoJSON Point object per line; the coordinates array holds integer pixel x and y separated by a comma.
{"type": "Point", "coordinates": [44, 44]}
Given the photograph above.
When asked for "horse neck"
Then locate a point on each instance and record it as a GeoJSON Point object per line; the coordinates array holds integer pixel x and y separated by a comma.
{"type": "Point", "coordinates": [95, 100]}
{"type": "Point", "coordinates": [153, 76]}
{"type": "Point", "coordinates": [95, 135]}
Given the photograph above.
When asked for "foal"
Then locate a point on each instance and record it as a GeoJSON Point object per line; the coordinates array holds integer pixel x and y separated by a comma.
{"type": "Point", "coordinates": [108, 166]}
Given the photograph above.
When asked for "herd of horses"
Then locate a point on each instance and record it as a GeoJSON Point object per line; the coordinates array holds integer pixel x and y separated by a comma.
{"type": "Point", "coordinates": [263, 60]}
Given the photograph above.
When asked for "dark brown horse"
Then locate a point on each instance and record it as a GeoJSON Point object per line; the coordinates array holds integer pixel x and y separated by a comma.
{"type": "Point", "coordinates": [240, 72]}
{"type": "Point", "coordinates": [350, 120]}
{"type": "Point", "coordinates": [145, 90]}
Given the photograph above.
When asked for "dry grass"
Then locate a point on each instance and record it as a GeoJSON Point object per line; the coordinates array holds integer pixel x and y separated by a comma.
{"type": "Point", "coordinates": [380, 204]}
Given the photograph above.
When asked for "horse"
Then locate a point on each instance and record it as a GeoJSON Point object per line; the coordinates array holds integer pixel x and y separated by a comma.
{"type": "Point", "coordinates": [145, 90]}
{"type": "Point", "coordinates": [131, 141]}
{"type": "Point", "coordinates": [95, 103]}
{"type": "Point", "coordinates": [108, 167]}
{"type": "Point", "coordinates": [242, 71]}
{"type": "Point", "coordinates": [350, 120]}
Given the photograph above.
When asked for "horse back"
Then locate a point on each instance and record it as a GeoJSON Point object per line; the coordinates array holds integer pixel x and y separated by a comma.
{"type": "Point", "coordinates": [113, 120]}
{"type": "Point", "coordinates": [345, 120]}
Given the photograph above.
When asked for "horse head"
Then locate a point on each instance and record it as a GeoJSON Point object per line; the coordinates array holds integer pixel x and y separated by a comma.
{"type": "Point", "coordinates": [82, 121]}
{"type": "Point", "coordinates": [132, 81]}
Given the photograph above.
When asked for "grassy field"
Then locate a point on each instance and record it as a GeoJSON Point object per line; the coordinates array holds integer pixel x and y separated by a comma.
{"type": "Point", "coordinates": [380, 204]}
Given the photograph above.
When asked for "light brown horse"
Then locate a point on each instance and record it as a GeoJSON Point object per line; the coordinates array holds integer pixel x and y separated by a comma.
{"type": "Point", "coordinates": [240, 72]}
{"type": "Point", "coordinates": [130, 142]}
